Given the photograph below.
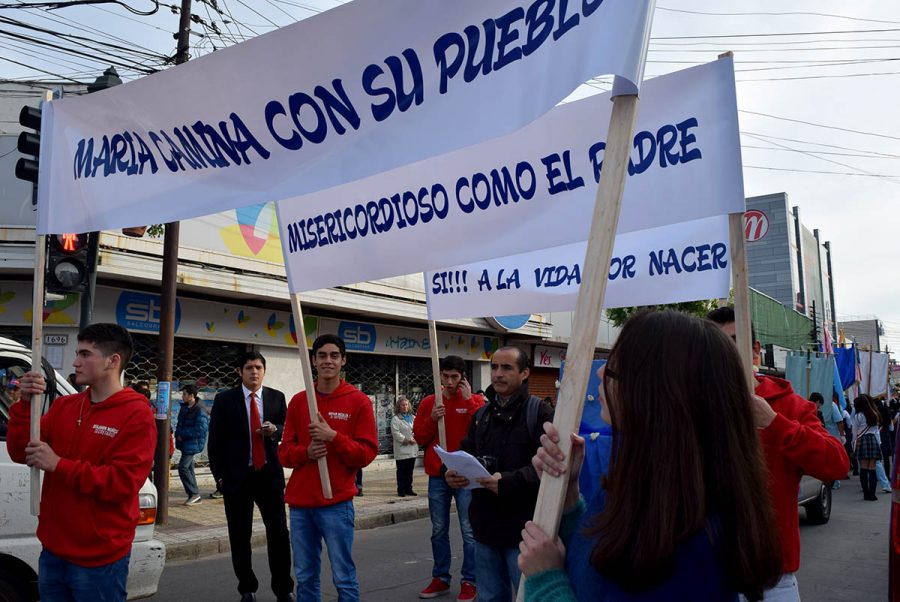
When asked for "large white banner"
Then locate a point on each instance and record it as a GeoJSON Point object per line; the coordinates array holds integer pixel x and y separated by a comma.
{"type": "Point", "coordinates": [668, 264]}
{"type": "Point", "coordinates": [362, 88]}
{"type": "Point", "coordinates": [532, 189]}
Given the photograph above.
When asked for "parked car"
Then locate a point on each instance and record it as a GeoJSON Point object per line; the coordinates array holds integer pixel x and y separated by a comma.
{"type": "Point", "coordinates": [19, 547]}
{"type": "Point", "coordinates": [815, 497]}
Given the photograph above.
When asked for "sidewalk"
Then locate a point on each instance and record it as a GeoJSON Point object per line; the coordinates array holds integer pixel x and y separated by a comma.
{"type": "Point", "coordinates": [198, 531]}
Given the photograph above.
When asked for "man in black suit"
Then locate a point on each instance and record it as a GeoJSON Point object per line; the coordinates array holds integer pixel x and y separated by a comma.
{"type": "Point", "coordinates": [245, 427]}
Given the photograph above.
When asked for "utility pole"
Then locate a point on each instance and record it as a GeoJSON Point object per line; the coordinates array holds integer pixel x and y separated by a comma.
{"type": "Point", "coordinates": [167, 319]}
{"type": "Point", "coordinates": [814, 333]}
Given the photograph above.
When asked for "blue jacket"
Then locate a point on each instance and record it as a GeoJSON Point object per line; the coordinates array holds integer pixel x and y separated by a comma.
{"type": "Point", "coordinates": [192, 427]}
{"type": "Point", "coordinates": [697, 573]}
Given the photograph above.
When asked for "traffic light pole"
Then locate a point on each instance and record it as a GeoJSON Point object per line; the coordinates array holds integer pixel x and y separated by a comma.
{"type": "Point", "coordinates": [167, 320]}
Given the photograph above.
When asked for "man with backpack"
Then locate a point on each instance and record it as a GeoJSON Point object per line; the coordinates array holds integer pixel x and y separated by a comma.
{"type": "Point", "coordinates": [503, 435]}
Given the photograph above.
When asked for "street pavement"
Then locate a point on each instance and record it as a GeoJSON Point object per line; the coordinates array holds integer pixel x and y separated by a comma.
{"type": "Point", "coordinates": [843, 560]}
{"type": "Point", "coordinates": [847, 558]}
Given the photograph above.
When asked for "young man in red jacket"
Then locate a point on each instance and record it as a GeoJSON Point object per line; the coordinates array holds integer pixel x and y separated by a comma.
{"type": "Point", "coordinates": [345, 435]}
{"type": "Point", "coordinates": [459, 405]}
{"type": "Point", "coordinates": [794, 443]}
{"type": "Point", "coordinates": [96, 449]}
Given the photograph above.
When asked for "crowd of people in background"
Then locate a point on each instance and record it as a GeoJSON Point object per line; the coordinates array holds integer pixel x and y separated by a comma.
{"type": "Point", "coordinates": [698, 501]}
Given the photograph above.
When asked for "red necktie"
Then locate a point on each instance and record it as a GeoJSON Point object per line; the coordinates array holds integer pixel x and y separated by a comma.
{"type": "Point", "coordinates": [256, 436]}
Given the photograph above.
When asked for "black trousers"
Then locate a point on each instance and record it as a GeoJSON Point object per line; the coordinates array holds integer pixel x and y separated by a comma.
{"type": "Point", "coordinates": [405, 474]}
{"type": "Point", "coordinates": [268, 495]}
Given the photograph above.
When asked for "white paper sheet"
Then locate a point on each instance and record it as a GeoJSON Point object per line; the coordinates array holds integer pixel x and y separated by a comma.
{"type": "Point", "coordinates": [464, 463]}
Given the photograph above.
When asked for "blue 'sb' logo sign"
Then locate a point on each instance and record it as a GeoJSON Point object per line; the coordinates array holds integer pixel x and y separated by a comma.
{"type": "Point", "coordinates": [357, 336]}
{"type": "Point", "coordinates": [142, 311]}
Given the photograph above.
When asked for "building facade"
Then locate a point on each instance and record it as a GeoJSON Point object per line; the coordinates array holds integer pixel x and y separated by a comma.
{"type": "Point", "coordinates": [787, 261]}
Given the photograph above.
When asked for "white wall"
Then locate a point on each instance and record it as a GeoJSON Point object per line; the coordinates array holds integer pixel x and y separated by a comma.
{"type": "Point", "coordinates": [283, 370]}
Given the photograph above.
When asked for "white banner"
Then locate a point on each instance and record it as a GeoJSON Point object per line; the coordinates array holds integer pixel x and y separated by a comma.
{"type": "Point", "coordinates": [668, 264]}
{"type": "Point", "coordinates": [359, 89]}
{"type": "Point", "coordinates": [530, 190]}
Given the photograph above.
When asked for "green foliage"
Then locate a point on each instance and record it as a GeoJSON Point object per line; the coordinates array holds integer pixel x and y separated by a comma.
{"type": "Point", "coordinates": [156, 230]}
{"type": "Point", "coordinates": [620, 315]}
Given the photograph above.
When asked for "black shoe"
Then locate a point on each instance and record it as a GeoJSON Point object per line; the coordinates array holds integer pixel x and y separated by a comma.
{"type": "Point", "coordinates": [248, 597]}
{"type": "Point", "coordinates": [286, 598]}
{"type": "Point", "coordinates": [401, 495]}
{"type": "Point", "coordinates": [412, 493]}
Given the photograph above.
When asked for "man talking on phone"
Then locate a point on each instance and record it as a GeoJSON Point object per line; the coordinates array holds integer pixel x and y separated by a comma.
{"type": "Point", "coordinates": [459, 405]}
{"type": "Point", "coordinates": [245, 426]}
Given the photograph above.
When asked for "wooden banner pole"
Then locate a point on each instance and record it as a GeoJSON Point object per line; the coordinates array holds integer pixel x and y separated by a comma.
{"type": "Point", "coordinates": [436, 373]}
{"type": "Point", "coordinates": [741, 284]}
{"type": "Point", "coordinates": [310, 386]}
{"type": "Point", "coordinates": [580, 352]}
{"type": "Point", "coordinates": [37, 344]}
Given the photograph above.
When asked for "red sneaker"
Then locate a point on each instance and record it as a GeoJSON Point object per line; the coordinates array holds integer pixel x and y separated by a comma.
{"type": "Point", "coordinates": [467, 592]}
{"type": "Point", "coordinates": [435, 588]}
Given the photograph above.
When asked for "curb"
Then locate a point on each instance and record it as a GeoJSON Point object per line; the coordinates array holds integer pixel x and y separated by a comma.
{"type": "Point", "coordinates": [202, 543]}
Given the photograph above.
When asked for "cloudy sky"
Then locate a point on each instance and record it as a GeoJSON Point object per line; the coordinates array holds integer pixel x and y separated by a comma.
{"type": "Point", "coordinates": [818, 85]}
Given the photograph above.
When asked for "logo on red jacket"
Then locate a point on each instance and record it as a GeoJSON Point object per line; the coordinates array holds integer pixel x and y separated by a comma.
{"type": "Point", "coordinates": [106, 431]}
{"type": "Point", "coordinates": [339, 415]}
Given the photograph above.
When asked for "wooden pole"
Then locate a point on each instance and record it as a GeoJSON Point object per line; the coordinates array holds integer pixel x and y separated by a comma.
{"type": "Point", "coordinates": [310, 386]}
{"type": "Point", "coordinates": [436, 373]}
{"type": "Point", "coordinates": [37, 341]}
{"type": "Point", "coordinates": [37, 344]}
{"type": "Point", "coordinates": [580, 352]}
{"type": "Point", "coordinates": [741, 284]}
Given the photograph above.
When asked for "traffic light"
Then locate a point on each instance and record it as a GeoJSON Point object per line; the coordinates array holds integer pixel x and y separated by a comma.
{"type": "Point", "coordinates": [29, 144]}
{"type": "Point", "coordinates": [69, 263]}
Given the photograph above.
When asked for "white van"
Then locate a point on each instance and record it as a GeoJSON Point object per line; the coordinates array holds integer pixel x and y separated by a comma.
{"type": "Point", "coordinates": [19, 547]}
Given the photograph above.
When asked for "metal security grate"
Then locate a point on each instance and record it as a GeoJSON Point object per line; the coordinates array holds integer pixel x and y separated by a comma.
{"type": "Point", "coordinates": [208, 364]}
{"type": "Point", "coordinates": [375, 375]}
{"type": "Point", "coordinates": [415, 378]}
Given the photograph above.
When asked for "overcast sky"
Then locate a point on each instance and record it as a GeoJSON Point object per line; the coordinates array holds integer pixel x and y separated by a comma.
{"type": "Point", "coordinates": [827, 79]}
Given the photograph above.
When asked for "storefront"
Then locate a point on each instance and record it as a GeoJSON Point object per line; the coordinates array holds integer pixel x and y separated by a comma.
{"type": "Point", "coordinates": [384, 360]}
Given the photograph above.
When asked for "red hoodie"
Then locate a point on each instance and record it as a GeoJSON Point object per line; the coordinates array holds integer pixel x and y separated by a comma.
{"type": "Point", "coordinates": [795, 444]}
{"type": "Point", "coordinates": [89, 504]}
{"type": "Point", "coordinates": [456, 424]}
{"type": "Point", "coordinates": [348, 411]}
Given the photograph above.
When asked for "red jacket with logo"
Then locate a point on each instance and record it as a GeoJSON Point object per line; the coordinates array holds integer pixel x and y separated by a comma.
{"type": "Point", "coordinates": [795, 444]}
{"type": "Point", "coordinates": [349, 412]}
{"type": "Point", "coordinates": [89, 504]}
{"type": "Point", "coordinates": [456, 424]}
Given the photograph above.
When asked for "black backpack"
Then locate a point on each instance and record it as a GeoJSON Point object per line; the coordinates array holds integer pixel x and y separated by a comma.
{"type": "Point", "coordinates": [532, 405]}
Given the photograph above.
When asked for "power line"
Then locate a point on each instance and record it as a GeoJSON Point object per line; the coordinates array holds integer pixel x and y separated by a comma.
{"type": "Point", "coordinates": [860, 155]}
{"type": "Point", "coordinates": [819, 125]}
{"type": "Point", "coordinates": [764, 35]}
{"type": "Point", "coordinates": [833, 173]}
{"type": "Point", "coordinates": [774, 14]}
{"type": "Point", "coordinates": [813, 155]}
{"type": "Point", "coordinates": [785, 79]}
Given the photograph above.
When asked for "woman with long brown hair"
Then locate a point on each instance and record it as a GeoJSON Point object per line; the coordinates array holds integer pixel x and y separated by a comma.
{"type": "Point", "coordinates": [866, 444]}
{"type": "Point", "coordinates": [684, 512]}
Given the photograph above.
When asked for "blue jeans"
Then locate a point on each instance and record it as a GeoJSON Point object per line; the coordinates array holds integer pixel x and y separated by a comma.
{"type": "Point", "coordinates": [334, 524]}
{"type": "Point", "coordinates": [62, 581]}
{"type": "Point", "coordinates": [439, 496]}
{"type": "Point", "coordinates": [498, 573]}
{"type": "Point", "coordinates": [186, 473]}
{"type": "Point", "coordinates": [882, 477]}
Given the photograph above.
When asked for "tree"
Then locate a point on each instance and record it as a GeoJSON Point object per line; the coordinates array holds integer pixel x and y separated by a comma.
{"type": "Point", "coordinates": [620, 315]}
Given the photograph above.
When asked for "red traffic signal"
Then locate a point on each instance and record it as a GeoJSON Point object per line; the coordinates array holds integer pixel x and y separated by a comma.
{"type": "Point", "coordinates": [69, 263]}
{"type": "Point", "coordinates": [69, 243]}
